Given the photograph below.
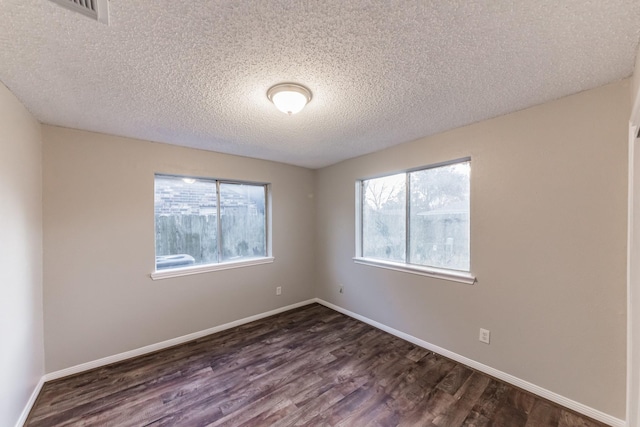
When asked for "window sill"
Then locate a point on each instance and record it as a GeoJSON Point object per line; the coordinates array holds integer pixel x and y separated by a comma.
{"type": "Point", "coordinates": [187, 271]}
{"type": "Point", "coordinates": [437, 273]}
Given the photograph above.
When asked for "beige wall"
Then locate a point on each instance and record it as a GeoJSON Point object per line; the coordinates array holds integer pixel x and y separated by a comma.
{"type": "Point", "coordinates": [636, 79]}
{"type": "Point", "coordinates": [99, 247]}
{"type": "Point", "coordinates": [22, 354]}
{"type": "Point", "coordinates": [548, 212]}
{"type": "Point", "coordinates": [633, 352]}
{"type": "Point", "coordinates": [633, 296]}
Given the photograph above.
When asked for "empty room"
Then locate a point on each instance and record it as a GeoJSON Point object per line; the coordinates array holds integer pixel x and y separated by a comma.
{"type": "Point", "coordinates": [331, 213]}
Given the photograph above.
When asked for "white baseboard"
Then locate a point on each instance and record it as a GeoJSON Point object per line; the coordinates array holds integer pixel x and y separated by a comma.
{"type": "Point", "coordinates": [30, 403]}
{"type": "Point", "coordinates": [508, 378]}
{"type": "Point", "coordinates": [166, 344]}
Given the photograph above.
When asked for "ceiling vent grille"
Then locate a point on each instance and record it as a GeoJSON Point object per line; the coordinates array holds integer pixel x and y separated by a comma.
{"type": "Point", "coordinates": [94, 9]}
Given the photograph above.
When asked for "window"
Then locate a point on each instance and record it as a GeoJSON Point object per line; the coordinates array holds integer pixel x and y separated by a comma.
{"type": "Point", "coordinates": [208, 222]}
{"type": "Point", "coordinates": [417, 221]}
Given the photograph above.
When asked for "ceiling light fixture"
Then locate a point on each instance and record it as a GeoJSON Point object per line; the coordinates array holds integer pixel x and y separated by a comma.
{"type": "Point", "coordinates": [289, 98]}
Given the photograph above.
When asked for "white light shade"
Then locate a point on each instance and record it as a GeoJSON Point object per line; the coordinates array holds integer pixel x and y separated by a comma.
{"type": "Point", "coordinates": [289, 98]}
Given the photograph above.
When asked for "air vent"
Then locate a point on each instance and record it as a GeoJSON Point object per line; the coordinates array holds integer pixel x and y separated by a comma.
{"type": "Point", "coordinates": [94, 9]}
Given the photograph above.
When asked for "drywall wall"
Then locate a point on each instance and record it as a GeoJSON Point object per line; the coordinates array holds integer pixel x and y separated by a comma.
{"type": "Point", "coordinates": [22, 354]}
{"type": "Point", "coordinates": [636, 79]}
{"type": "Point", "coordinates": [633, 290]}
{"type": "Point", "coordinates": [633, 303]}
{"type": "Point", "coordinates": [548, 247]}
{"type": "Point", "coordinates": [99, 246]}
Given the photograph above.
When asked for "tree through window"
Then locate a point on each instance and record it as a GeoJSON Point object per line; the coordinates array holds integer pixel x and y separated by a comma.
{"type": "Point", "coordinates": [419, 217]}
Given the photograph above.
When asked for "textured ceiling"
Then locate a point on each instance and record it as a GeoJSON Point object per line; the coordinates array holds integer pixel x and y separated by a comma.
{"type": "Point", "coordinates": [381, 72]}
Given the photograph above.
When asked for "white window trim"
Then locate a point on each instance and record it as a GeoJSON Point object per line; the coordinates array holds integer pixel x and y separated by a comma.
{"type": "Point", "coordinates": [197, 269]}
{"type": "Point", "coordinates": [224, 265]}
{"type": "Point", "coordinates": [436, 273]}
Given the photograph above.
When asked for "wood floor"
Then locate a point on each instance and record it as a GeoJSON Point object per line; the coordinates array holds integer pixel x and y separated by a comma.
{"type": "Point", "coordinates": [310, 366]}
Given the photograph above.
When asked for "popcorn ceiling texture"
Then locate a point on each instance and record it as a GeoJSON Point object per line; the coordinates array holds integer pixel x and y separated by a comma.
{"type": "Point", "coordinates": [381, 72]}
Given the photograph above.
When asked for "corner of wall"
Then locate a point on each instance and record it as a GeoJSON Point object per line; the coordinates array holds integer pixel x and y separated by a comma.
{"type": "Point", "coordinates": [21, 294]}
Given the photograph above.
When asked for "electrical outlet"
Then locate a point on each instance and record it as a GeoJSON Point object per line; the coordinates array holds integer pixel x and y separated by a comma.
{"type": "Point", "coordinates": [279, 290]}
{"type": "Point", "coordinates": [485, 335]}
{"type": "Point", "coordinates": [341, 289]}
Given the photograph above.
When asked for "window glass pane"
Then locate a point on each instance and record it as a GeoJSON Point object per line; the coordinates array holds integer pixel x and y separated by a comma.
{"type": "Point", "coordinates": [384, 217]}
{"type": "Point", "coordinates": [439, 217]}
{"type": "Point", "coordinates": [242, 216]}
{"type": "Point", "coordinates": [185, 218]}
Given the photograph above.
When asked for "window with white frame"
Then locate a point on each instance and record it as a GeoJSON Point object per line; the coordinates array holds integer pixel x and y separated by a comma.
{"type": "Point", "coordinates": [416, 219]}
{"type": "Point", "coordinates": [200, 221]}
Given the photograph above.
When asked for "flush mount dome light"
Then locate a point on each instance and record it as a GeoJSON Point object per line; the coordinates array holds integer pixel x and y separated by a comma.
{"type": "Point", "coordinates": [289, 98]}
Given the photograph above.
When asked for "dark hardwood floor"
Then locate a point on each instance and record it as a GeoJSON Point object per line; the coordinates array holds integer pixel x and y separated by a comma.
{"type": "Point", "coordinates": [310, 366]}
